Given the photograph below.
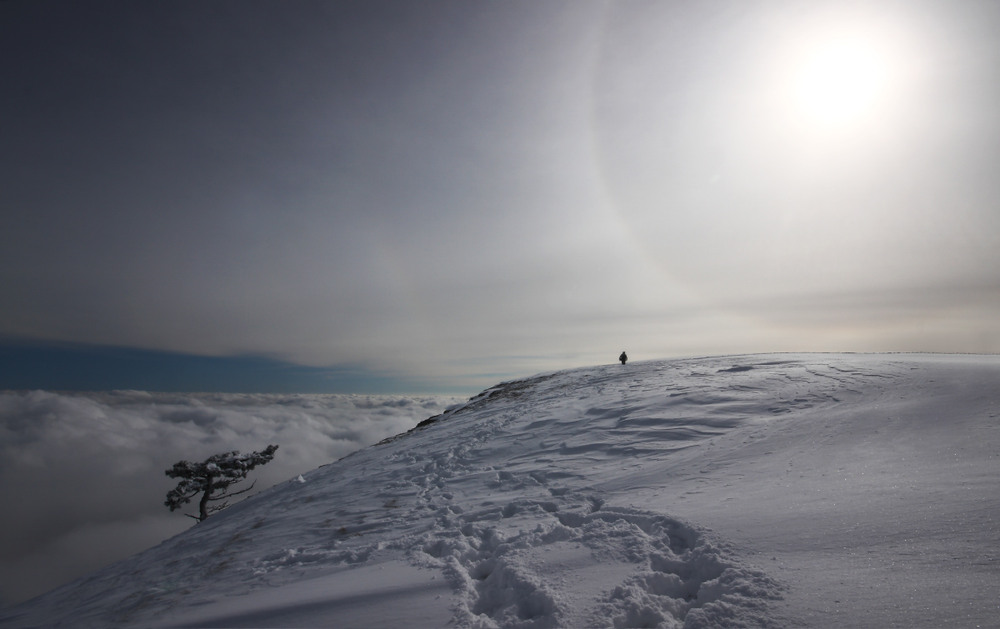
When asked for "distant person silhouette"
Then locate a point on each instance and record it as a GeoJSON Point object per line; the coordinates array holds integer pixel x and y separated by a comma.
{"type": "Point", "coordinates": [623, 358]}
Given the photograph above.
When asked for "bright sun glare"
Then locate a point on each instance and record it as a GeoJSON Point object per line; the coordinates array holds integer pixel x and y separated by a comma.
{"type": "Point", "coordinates": [840, 81]}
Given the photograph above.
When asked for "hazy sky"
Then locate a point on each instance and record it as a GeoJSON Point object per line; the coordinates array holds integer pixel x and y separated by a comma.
{"type": "Point", "coordinates": [457, 192]}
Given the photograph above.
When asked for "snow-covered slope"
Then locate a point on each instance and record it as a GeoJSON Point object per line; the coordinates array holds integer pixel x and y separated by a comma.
{"type": "Point", "coordinates": [817, 490]}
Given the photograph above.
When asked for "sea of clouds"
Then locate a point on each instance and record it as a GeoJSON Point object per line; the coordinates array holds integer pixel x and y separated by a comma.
{"type": "Point", "coordinates": [82, 475]}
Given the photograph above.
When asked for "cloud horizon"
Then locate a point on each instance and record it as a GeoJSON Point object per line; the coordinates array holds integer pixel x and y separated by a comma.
{"type": "Point", "coordinates": [86, 470]}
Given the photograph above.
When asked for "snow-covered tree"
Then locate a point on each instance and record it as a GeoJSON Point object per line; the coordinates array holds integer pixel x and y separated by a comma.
{"type": "Point", "coordinates": [211, 478]}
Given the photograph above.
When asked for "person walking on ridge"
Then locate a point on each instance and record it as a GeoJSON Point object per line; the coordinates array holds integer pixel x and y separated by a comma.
{"type": "Point", "coordinates": [623, 357]}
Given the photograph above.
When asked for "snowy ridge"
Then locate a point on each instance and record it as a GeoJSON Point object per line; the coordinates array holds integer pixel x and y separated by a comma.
{"type": "Point", "coordinates": [650, 495]}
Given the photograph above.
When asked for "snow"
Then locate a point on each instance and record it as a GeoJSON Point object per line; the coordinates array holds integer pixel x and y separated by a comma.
{"type": "Point", "coordinates": [398, 589]}
{"type": "Point", "coordinates": [798, 490]}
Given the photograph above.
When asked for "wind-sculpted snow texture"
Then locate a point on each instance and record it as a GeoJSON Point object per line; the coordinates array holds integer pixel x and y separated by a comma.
{"type": "Point", "coordinates": [572, 499]}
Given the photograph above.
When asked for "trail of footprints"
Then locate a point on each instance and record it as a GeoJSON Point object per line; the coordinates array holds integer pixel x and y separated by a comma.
{"type": "Point", "coordinates": [494, 553]}
{"type": "Point", "coordinates": [510, 561]}
{"type": "Point", "coordinates": [670, 574]}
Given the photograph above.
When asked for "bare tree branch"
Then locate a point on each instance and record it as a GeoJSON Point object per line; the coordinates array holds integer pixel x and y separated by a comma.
{"type": "Point", "coordinates": [233, 493]}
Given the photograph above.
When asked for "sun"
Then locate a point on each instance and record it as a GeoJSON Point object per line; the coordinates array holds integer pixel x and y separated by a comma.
{"type": "Point", "coordinates": [840, 81]}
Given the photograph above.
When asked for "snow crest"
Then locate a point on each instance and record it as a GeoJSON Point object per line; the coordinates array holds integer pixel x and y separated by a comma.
{"type": "Point", "coordinates": [554, 502]}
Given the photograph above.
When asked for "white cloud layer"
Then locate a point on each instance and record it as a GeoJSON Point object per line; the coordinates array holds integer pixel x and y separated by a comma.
{"type": "Point", "coordinates": [82, 474]}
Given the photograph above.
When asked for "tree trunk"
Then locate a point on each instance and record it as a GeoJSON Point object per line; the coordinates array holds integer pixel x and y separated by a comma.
{"type": "Point", "coordinates": [203, 504]}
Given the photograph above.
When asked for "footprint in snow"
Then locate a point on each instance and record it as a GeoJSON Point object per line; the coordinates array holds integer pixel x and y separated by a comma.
{"type": "Point", "coordinates": [579, 568]}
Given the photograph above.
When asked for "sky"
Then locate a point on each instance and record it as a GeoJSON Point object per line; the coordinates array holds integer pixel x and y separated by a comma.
{"type": "Point", "coordinates": [435, 196]}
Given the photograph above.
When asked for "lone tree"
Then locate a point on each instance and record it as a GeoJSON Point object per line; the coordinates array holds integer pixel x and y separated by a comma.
{"type": "Point", "coordinates": [211, 478]}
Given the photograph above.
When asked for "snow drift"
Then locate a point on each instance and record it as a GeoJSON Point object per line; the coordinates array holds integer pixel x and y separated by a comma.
{"type": "Point", "coordinates": [751, 491]}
